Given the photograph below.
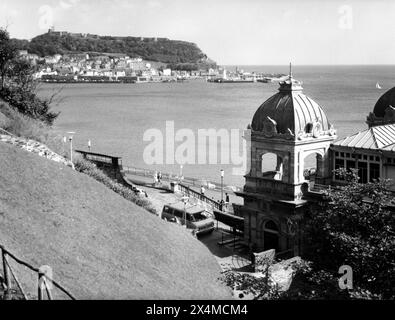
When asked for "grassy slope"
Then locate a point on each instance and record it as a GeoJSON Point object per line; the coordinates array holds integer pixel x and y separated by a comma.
{"type": "Point", "coordinates": [3, 119]}
{"type": "Point", "coordinates": [98, 244]}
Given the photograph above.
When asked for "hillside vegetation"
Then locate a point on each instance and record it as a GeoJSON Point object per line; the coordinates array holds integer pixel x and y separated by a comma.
{"type": "Point", "coordinates": [100, 245]}
{"type": "Point", "coordinates": [24, 126]}
{"type": "Point", "coordinates": [153, 49]}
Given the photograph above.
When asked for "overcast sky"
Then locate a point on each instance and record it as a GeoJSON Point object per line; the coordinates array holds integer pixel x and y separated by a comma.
{"type": "Point", "coordinates": [229, 31]}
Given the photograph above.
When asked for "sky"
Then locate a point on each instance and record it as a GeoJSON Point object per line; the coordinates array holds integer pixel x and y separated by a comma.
{"type": "Point", "coordinates": [231, 32]}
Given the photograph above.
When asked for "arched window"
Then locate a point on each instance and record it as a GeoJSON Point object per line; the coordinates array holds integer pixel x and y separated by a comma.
{"type": "Point", "coordinates": [312, 166]}
{"type": "Point", "coordinates": [271, 226]}
{"type": "Point", "coordinates": [272, 166]}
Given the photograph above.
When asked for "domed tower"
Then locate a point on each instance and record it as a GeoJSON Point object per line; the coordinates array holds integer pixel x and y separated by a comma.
{"type": "Point", "coordinates": [384, 110]}
{"type": "Point", "coordinates": [287, 131]}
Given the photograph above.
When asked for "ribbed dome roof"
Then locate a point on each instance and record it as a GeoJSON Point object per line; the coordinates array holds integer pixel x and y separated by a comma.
{"type": "Point", "coordinates": [291, 110]}
{"type": "Point", "coordinates": [387, 99]}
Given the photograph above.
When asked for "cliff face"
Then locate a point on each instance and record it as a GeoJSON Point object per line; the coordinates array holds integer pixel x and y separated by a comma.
{"type": "Point", "coordinates": [153, 49]}
{"type": "Point", "coordinates": [99, 245]}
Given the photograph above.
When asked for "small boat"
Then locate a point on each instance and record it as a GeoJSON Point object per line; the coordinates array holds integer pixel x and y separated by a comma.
{"type": "Point", "coordinates": [232, 80]}
{"type": "Point", "coordinates": [378, 86]}
{"type": "Point", "coordinates": [264, 80]}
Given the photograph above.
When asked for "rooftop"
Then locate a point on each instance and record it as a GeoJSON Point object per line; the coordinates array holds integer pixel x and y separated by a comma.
{"type": "Point", "coordinates": [290, 112]}
{"type": "Point", "coordinates": [374, 138]}
{"type": "Point", "coordinates": [190, 208]}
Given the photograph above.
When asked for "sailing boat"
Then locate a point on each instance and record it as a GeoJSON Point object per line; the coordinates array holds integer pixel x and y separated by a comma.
{"type": "Point", "coordinates": [378, 86]}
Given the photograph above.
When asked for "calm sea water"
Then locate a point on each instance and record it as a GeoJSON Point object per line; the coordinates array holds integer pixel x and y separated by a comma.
{"type": "Point", "coordinates": [115, 116]}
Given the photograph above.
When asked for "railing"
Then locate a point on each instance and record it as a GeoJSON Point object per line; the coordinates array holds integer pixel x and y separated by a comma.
{"type": "Point", "coordinates": [43, 279]}
{"type": "Point", "coordinates": [165, 176]}
{"type": "Point", "coordinates": [192, 193]}
{"type": "Point", "coordinates": [182, 183]}
{"type": "Point", "coordinates": [230, 220]}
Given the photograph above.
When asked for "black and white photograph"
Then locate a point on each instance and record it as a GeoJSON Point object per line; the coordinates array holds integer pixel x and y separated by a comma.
{"type": "Point", "coordinates": [216, 152]}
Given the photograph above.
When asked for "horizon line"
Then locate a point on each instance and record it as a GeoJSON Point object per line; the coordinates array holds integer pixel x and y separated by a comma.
{"type": "Point", "coordinates": [310, 65]}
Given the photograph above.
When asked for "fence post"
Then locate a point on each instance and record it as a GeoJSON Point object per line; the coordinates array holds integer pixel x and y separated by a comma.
{"type": "Point", "coordinates": [40, 293]}
{"type": "Point", "coordinates": [7, 276]}
{"type": "Point", "coordinates": [48, 289]}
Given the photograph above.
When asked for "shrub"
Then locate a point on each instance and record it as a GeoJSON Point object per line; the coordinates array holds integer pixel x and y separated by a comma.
{"type": "Point", "coordinates": [28, 103]}
{"type": "Point", "coordinates": [29, 128]}
{"type": "Point", "coordinates": [91, 170]}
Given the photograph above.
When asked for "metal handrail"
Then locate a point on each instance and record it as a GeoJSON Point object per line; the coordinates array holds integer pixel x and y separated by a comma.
{"type": "Point", "coordinates": [190, 192]}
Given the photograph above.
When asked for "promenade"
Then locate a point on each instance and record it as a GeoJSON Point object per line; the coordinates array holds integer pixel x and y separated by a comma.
{"type": "Point", "coordinates": [228, 249]}
{"type": "Point", "coordinates": [214, 194]}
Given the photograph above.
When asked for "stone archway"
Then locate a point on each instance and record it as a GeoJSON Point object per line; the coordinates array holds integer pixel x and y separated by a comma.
{"type": "Point", "coordinates": [271, 165]}
{"type": "Point", "coordinates": [312, 165]}
{"type": "Point", "coordinates": [270, 235]}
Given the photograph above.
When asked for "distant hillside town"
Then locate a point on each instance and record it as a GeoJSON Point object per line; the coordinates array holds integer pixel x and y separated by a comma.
{"type": "Point", "coordinates": [91, 67]}
{"type": "Point", "coordinates": [61, 56]}
{"type": "Point", "coordinates": [86, 67]}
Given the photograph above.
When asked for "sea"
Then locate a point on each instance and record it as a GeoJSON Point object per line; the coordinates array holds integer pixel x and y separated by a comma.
{"type": "Point", "coordinates": [116, 117]}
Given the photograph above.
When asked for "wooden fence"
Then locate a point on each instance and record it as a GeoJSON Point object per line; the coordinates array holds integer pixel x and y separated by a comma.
{"type": "Point", "coordinates": [44, 282]}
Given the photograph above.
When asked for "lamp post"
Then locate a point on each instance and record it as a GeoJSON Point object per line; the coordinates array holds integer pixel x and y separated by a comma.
{"type": "Point", "coordinates": [185, 200]}
{"type": "Point", "coordinates": [222, 185]}
{"type": "Point", "coordinates": [71, 145]}
{"type": "Point", "coordinates": [181, 166]}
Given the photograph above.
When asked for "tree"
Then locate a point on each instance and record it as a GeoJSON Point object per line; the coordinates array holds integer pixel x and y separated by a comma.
{"type": "Point", "coordinates": [7, 54]}
{"type": "Point", "coordinates": [18, 86]}
{"type": "Point", "coordinates": [355, 226]}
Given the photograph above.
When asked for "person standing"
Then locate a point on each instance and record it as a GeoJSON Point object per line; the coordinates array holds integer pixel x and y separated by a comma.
{"type": "Point", "coordinates": [155, 178]}
{"type": "Point", "coordinates": [159, 177]}
{"type": "Point", "coordinates": [202, 190]}
{"type": "Point", "coordinates": [226, 200]}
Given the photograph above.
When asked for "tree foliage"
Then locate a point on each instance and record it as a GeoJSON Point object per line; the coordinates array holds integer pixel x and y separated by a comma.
{"type": "Point", "coordinates": [7, 54]}
{"type": "Point", "coordinates": [355, 226]}
{"type": "Point", "coordinates": [18, 86]}
{"type": "Point", "coordinates": [160, 49]}
{"type": "Point", "coordinates": [260, 288]}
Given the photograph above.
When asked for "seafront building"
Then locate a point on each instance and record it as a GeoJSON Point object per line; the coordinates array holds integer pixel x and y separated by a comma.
{"type": "Point", "coordinates": [291, 131]}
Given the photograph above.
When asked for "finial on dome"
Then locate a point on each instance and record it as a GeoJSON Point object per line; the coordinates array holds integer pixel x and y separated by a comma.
{"type": "Point", "coordinates": [290, 84]}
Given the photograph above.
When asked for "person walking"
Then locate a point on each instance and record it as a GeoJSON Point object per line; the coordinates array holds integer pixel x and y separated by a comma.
{"type": "Point", "coordinates": [226, 200]}
{"type": "Point", "coordinates": [202, 190]}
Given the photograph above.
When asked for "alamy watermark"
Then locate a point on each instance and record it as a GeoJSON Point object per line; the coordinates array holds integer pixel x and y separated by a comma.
{"type": "Point", "coordinates": [345, 21]}
{"type": "Point", "coordinates": [46, 19]}
{"type": "Point", "coordinates": [346, 279]}
{"type": "Point", "coordinates": [203, 146]}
